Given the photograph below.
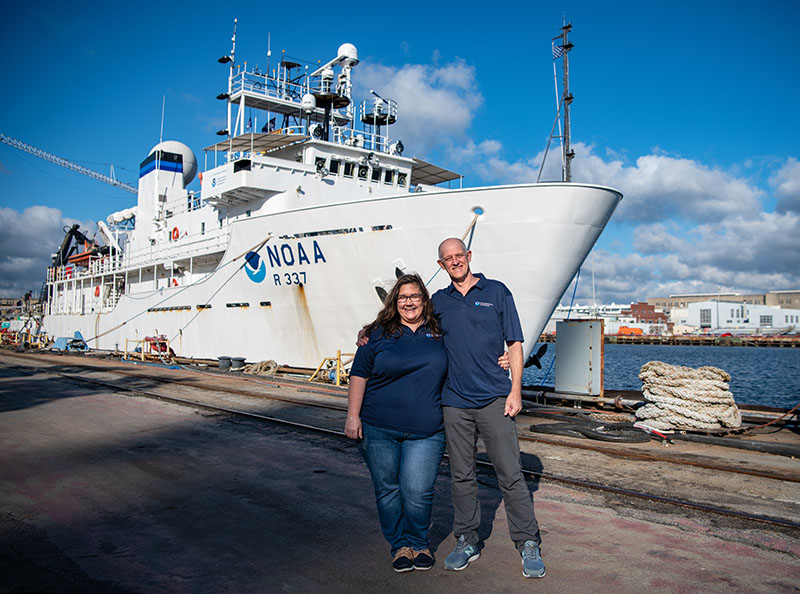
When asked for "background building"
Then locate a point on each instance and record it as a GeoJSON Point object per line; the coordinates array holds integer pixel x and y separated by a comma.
{"type": "Point", "coordinates": [789, 299]}
{"type": "Point", "coordinates": [737, 317]}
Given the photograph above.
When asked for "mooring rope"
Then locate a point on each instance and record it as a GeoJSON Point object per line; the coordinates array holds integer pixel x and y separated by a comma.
{"type": "Point", "coordinates": [261, 368]}
{"type": "Point", "coordinates": [685, 398]}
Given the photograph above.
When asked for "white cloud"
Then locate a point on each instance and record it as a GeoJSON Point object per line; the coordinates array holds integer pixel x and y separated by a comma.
{"type": "Point", "coordinates": [786, 182]}
{"type": "Point", "coordinates": [660, 187]}
{"type": "Point", "coordinates": [656, 187]}
{"type": "Point", "coordinates": [436, 104]}
{"type": "Point", "coordinates": [26, 244]}
{"type": "Point", "coordinates": [654, 239]}
{"type": "Point", "coordinates": [738, 254]}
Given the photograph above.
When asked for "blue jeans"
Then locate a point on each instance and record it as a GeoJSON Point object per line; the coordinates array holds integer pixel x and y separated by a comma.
{"type": "Point", "coordinates": [403, 468]}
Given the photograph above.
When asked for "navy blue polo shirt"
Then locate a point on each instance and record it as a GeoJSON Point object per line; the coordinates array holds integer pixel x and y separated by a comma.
{"type": "Point", "coordinates": [476, 328]}
{"type": "Point", "coordinates": [404, 380]}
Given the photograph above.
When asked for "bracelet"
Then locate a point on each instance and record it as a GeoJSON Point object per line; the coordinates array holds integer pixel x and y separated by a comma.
{"type": "Point", "coordinates": [351, 418]}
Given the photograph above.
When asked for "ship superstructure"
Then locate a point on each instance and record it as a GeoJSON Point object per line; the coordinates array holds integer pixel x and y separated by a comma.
{"type": "Point", "coordinates": [307, 211]}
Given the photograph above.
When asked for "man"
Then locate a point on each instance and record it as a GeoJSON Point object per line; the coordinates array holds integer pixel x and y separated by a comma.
{"type": "Point", "coordinates": [479, 318]}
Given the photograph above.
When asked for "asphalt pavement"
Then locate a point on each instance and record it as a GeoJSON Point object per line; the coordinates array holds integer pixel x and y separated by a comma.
{"type": "Point", "coordinates": [102, 492]}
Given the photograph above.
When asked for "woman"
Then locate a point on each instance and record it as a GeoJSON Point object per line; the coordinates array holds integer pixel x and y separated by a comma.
{"type": "Point", "coordinates": [395, 409]}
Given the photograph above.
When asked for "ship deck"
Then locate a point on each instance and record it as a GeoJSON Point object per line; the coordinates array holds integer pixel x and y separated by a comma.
{"type": "Point", "coordinates": [106, 488]}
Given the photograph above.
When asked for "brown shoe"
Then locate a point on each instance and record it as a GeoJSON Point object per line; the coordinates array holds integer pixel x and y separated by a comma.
{"type": "Point", "coordinates": [423, 560]}
{"type": "Point", "coordinates": [403, 560]}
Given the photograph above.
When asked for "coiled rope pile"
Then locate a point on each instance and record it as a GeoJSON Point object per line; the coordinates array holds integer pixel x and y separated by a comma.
{"type": "Point", "coordinates": [685, 398]}
{"type": "Point", "coordinates": [261, 368]}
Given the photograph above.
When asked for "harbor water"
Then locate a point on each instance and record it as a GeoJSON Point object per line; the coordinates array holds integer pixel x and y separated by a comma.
{"type": "Point", "coordinates": [762, 376]}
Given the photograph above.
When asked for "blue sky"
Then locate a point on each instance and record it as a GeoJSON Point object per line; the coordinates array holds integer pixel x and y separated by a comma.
{"type": "Point", "coordinates": [689, 108]}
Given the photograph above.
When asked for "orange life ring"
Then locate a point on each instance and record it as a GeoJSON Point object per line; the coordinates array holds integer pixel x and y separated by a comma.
{"type": "Point", "coordinates": [175, 234]}
{"type": "Point", "coordinates": [97, 291]}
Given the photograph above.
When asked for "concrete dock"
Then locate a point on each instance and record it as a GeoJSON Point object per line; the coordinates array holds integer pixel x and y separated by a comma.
{"type": "Point", "coordinates": [106, 492]}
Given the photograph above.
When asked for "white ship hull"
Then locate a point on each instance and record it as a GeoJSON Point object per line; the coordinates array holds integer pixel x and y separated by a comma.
{"type": "Point", "coordinates": [314, 284]}
{"type": "Point", "coordinates": [298, 230]}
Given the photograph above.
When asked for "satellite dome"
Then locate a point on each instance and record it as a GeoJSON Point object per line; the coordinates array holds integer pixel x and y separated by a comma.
{"type": "Point", "coordinates": [189, 160]}
{"type": "Point", "coordinates": [349, 51]}
{"type": "Point", "coordinates": [308, 103]}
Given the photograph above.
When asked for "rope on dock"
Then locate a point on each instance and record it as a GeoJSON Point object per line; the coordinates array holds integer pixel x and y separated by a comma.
{"type": "Point", "coordinates": [685, 398]}
{"type": "Point", "coordinates": [261, 368]}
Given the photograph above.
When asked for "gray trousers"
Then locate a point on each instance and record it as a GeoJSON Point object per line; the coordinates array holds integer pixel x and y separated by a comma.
{"type": "Point", "coordinates": [499, 433]}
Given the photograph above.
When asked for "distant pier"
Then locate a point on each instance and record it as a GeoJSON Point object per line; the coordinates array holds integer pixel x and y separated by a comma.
{"type": "Point", "coordinates": [746, 341]}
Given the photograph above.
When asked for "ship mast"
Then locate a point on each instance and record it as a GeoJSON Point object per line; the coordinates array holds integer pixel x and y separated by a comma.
{"type": "Point", "coordinates": [566, 99]}
{"type": "Point", "coordinates": [567, 154]}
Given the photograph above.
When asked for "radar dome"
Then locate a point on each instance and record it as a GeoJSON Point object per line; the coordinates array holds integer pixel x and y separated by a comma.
{"type": "Point", "coordinates": [349, 51]}
{"type": "Point", "coordinates": [189, 160]}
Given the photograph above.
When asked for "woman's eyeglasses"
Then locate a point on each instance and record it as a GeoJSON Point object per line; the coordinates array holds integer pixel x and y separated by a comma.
{"type": "Point", "coordinates": [415, 297]}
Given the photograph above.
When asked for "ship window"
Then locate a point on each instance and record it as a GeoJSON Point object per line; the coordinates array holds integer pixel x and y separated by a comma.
{"type": "Point", "coordinates": [388, 177]}
{"type": "Point", "coordinates": [248, 213]}
{"type": "Point", "coordinates": [705, 317]}
{"type": "Point", "coordinates": [241, 165]}
{"type": "Point", "coordinates": [202, 228]}
{"type": "Point", "coordinates": [765, 321]}
{"type": "Point", "coordinates": [334, 168]}
{"type": "Point", "coordinates": [401, 180]}
{"type": "Point", "coordinates": [363, 170]}
{"type": "Point", "coordinates": [376, 174]}
{"type": "Point", "coordinates": [348, 169]}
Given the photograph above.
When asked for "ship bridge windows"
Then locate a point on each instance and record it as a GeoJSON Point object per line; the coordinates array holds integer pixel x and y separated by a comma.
{"type": "Point", "coordinates": [365, 171]}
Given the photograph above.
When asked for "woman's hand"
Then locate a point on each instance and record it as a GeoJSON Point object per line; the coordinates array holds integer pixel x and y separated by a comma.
{"type": "Point", "coordinates": [362, 338]}
{"type": "Point", "coordinates": [352, 428]}
{"type": "Point", "coordinates": [503, 361]}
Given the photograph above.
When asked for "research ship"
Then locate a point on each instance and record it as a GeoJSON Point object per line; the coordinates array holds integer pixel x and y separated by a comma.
{"type": "Point", "coordinates": [307, 212]}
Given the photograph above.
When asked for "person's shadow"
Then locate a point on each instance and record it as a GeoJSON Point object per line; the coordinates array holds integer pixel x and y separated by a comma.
{"type": "Point", "coordinates": [489, 497]}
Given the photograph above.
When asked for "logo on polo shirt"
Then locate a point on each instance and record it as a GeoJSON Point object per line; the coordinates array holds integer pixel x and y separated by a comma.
{"type": "Point", "coordinates": [483, 304]}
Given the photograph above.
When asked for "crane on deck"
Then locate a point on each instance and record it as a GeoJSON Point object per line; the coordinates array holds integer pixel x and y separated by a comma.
{"type": "Point", "coordinates": [68, 164]}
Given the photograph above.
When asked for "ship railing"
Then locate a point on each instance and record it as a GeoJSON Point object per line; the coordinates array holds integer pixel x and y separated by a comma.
{"type": "Point", "coordinates": [178, 206]}
{"type": "Point", "coordinates": [97, 267]}
{"type": "Point", "coordinates": [263, 84]}
{"type": "Point", "coordinates": [378, 143]}
{"type": "Point", "coordinates": [214, 240]}
{"type": "Point", "coordinates": [188, 246]}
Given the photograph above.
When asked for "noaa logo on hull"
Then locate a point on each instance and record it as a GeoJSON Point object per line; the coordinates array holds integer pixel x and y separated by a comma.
{"type": "Point", "coordinates": [254, 267]}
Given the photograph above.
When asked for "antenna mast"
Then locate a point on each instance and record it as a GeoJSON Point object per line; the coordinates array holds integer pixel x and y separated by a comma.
{"type": "Point", "coordinates": [567, 98]}
{"type": "Point", "coordinates": [567, 154]}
